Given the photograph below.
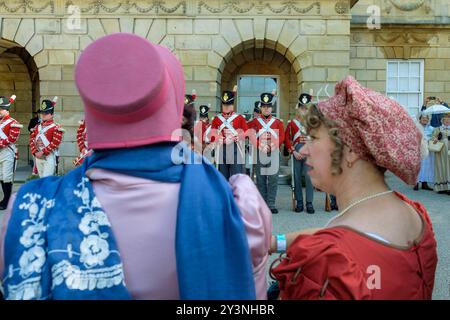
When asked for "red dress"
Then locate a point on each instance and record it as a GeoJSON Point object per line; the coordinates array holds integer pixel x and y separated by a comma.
{"type": "Point", "coordinates": [341, 263]}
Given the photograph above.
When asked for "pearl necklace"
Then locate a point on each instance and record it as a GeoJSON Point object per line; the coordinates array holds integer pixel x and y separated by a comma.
{"type": "Point", "coordinates": [358, 202]}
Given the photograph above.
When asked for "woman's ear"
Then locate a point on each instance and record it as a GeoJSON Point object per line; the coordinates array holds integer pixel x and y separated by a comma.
{"type": "Point", "coordinates": [350, 157]}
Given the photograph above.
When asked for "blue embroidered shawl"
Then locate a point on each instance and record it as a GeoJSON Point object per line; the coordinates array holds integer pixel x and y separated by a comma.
{"type": "Point", "coordinates": [59, 243]}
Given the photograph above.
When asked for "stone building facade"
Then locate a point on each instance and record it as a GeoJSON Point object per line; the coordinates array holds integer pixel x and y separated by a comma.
{"type": "Point", "coordinates": [304, 44]}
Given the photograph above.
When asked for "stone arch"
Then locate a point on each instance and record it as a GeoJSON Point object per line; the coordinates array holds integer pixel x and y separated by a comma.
{"type": "Point", "coordinates": [279, 38]}
{"type": "Point", "coordinates": [265, 61]}
{"type": "Point", "coordinates": [20, 76]}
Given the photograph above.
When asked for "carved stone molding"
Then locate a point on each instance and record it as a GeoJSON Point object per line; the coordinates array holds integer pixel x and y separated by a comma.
{"type": "Point", "coordinates": [341, 7]}
{"type": "Point", "coordinates": [26, 6]}
{"type": "Point", "coordinates": [356, 37]}
{"type": "Point", "coordinates": [407, 38]}
{"type": "Point", "coordinates": [156, 7]}
{"type": "Point", "coordinates": [410, 6]}
{"type": "Point", "coordinates": [234, 6]}
{"type": "Point", "coordinates": [168, 7]}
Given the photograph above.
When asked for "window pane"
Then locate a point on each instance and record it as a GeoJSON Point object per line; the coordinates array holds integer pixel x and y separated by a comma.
{"type": "Point", "coordinates": [392, 84]}
{"type": "Point", "coordinates": [246, 104]}
{"type": "Point", "coordinates": [250, 90]}
{"type": "Point", "coordinates": [392, 69]}
{"type": "Point", "coordinates": [245, 84]}
{"type": "Point", "coordinates": [392, 95]}
{"type": "Point", "coordinates": [403, 99]}
{"type": "Point", "coordinates": [258, 84]}
{"type": "Point", "coordinates": [403, 84]}
{"type": "Point", "coordinates": [414, 84]}
{"type": "Point", "coordinates": [270, 84]}
{"type": "Point", "coordinates": [413, 100]}
{"type": "Point", "coordinates": [403, 69]}
{"type": "Point", "coordinates": [414, 69]}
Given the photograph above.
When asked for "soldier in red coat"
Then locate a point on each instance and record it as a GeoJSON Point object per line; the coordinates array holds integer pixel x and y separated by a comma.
{"type": "Point", "coordinates": [9, 133]}
{"type": "Point", "coordinates": [228, 132]}
{"type": "Point", "coordinates": [269, 136]}
{"type": "Point", "coordinates": [201, 127]}
{"type": "Point", "coordinates": [251, 124]}
{"type": "Point", "coordinates": [295, 139]}
{"type": "Point", "coordinates": [45, 140]}
{"type": "Point", "coordinates": [82, 144]}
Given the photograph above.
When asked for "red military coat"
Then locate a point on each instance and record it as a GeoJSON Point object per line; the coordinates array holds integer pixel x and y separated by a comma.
{"type": "Point", "coordinates": [82, 136]}
{"type": "Point", "coordinates": [11, 131]}
{"type": "Point", "coordinates": [295, 133]}
{"type": "Point", "coordinates": [270, 134]}
{"type": "Point", "coordinates": [235, 131]}
{"type": "Point", "coordinates": [53, 135]}
{"type": "Point", "coordinates": [200, 130]}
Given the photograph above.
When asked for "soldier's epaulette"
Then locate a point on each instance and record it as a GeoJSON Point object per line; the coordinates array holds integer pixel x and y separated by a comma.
{"type": "Point", "coordinates": [16, 125]}
{"type": "Point", "coordinates": [61, 129]}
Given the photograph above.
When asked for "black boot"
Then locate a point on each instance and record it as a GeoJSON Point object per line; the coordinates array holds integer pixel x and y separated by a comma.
{"type": "Point", "coordinates": [3, 189]}
{"type": "Point", "coordinates": [416, 187]}
{"type": "Point", "coordinates": [7, 189]}
{"type": "Point", "coordinates": [310, 208]}
{"type": "Point", "coordinates": [425, 186]}
{"type": "Point", "coordinates": [299, 207]}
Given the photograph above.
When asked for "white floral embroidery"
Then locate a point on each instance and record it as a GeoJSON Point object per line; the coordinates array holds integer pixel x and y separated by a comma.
{"type": "Point", "coordinates": [26, 290]}
{"type": "Point", "coordinates": [77, 279]}
{"type": "Point", "coordinates": [33, 258]}
{"type": "Point", "coordinates": [92, 222]}
{"type": "Point", "coordinates": [32, 235]}
{"type": "Point", "coordinates": [31, 261]}
{"type": "Point", "coordinates": [94, 250]}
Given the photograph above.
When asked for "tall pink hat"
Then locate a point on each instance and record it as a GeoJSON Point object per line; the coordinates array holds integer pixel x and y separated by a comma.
{"type": "Point", "coordinates": [132, 90]}
{"type": "Point", "coordinates": [375, 127]}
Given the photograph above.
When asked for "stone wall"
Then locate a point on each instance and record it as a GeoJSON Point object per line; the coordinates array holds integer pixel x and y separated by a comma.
{"type": "Point", "coordinates": [311, 39]}
{"type": "Point", "coordinates": [371, 49]}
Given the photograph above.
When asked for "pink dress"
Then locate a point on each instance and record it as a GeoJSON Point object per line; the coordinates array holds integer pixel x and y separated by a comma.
{"type": "Point", "coordinates": [145, 230]}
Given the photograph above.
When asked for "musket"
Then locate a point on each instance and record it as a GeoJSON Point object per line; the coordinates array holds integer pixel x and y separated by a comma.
{"type": "Point", "coordinates": [327, 202]}
{"type": "Point", "coordinates": [79, 160]}
{"type": "Point", "coordinates": [216, 155]}
{"type": "Point", "coordinates": [294, 203]}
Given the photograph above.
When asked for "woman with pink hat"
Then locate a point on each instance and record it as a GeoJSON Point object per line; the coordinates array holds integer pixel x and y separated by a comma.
{"type": "Point", "coordinates": [381, 245]}
{"type": "Point", "coordinates": [139, 218]}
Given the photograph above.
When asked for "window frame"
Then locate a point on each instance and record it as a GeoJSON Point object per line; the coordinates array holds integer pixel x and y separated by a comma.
{"type": "Point", "coordinates": [421, 92]}
{"type": "Point", "coordinates": [277, 98]}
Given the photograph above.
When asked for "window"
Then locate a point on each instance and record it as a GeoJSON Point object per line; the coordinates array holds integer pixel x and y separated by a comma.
{"type": "Point", "coordinates": [250, 88]}
{"type": "Point", "coordinates": [404, 83]}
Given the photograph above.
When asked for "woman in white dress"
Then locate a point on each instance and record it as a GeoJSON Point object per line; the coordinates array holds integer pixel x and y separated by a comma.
{"type": "Point", "coordinates": [426, 174]}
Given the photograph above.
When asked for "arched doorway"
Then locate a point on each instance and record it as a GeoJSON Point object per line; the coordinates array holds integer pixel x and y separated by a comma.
{"type": "Point", "coordinates": [258, 70]}
{"type": "Point", "coordinates": [19, 75]}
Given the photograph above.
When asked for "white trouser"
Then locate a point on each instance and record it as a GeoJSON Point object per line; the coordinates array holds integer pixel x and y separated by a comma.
{"type": "Point", "coordinates": [46, 167]}
{"type": "Point", "coordinates": [7, 157]}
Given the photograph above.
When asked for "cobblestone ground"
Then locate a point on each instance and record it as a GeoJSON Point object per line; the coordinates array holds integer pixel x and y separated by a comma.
{"type": "Point", "coordinates": [438, 208]}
